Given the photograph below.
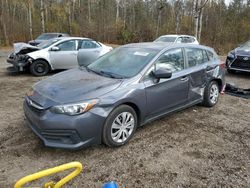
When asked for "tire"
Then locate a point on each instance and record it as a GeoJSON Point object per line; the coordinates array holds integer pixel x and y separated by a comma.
{"type": "Point", "coordinates": [119, 131]}
{"type": "Point", "coordinates": [231, 71]}
{"type": "Point", "coordinates": [39, 68]}
{"type": "Point", "coordinates": [211, 94]}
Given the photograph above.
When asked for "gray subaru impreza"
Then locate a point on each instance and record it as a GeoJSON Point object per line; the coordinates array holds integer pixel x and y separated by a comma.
{"type": "Point", "coordinates": [107, 100]}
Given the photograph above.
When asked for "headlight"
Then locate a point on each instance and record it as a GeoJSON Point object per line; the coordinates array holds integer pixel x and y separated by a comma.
{"type": "Point", "coordinates": [231, 55]}
{"type": "Point", "coordinates": [30, 60]}
{"type": "Point", "coordinates": [74, 109]}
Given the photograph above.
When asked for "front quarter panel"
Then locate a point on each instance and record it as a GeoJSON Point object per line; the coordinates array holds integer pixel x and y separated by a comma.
{"type": "Point", "coordinates": [40, 54]}
{"type": "Point", "coordinates": [130, 93]}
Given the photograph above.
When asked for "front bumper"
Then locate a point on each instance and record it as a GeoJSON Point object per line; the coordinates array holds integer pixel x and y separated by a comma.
{"type": "Point", "coordinates": [17, 65]}
{"type": "Point", "coordinates": [238, 64]}
{"type": "Point", "coordinates": [63, 131]}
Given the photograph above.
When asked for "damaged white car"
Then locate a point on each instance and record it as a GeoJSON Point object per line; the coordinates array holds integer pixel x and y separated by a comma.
{"type": "Point", "coordinates": [58, 53]}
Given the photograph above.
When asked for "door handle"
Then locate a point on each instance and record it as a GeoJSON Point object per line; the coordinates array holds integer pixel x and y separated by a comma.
{"type": "Point", "coordinates": [184, 78]}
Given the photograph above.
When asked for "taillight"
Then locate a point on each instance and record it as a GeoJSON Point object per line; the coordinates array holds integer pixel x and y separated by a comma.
{"type": "Point", "coordinates": [222, 64]}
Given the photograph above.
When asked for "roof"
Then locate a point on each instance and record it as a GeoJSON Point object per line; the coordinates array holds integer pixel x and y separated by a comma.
{"type": "Point", "coordinates": [69, 38]}
{"type": "Point", "coordinates": [175, 35]}
{"type": "Point", "coordinates": [163, 45]}
{"type": "Point", "coordinates": [55, 33]}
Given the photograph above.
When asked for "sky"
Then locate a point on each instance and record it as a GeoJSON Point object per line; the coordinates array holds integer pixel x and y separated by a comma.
{"type": "Point", "coordinates": [227, 2]}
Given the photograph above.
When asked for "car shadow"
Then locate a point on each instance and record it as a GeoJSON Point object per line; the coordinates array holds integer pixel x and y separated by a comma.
{"type": "Point", "coordinates": [239, 74]}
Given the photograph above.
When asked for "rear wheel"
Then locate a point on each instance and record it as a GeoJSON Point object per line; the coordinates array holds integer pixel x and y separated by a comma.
{"type": "Point", "coordinates": [119, 126]}
{"type": "Point", "coordinates": [39, 68]}
{"type": "Point", "coordinates": [211, 94]}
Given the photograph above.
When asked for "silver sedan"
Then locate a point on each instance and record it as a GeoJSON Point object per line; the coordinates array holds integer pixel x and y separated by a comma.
{"type": "Point", "coordinates": [58, 53]}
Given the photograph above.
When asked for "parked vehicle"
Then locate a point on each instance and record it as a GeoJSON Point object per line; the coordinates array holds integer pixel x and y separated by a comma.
{"type": "Point", "coordinates": [177, 39]}
{"type": "Point", "coordinates": [239, 59]}
{"type": "Point", "coordinates": [46, 36]}
{"type": "Point", "coordinates": [58, 53]}
{"type": "Point", "coordinates": [120, 91]}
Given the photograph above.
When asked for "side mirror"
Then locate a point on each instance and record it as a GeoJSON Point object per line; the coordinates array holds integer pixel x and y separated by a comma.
{"type": "Point", "coordinates": [54, 48]}
{"type": "Point", "coordinates": [162, 73]}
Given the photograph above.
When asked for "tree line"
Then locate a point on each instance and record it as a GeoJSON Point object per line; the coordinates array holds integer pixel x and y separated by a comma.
{"type": "Point", "coordinates": [213, 22]}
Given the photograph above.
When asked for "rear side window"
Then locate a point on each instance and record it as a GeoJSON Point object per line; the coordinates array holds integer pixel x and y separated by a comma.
{"type": "Point", "coordinates": [210, 55]}
{"type": "Point", "coordinates": [195, 56]}
{"type": "Point", "coordinates": [206, 59]}
{"type": "Point", "coordinates": [187, 40]}
{"type": "Point", "coordinates": [87, 44]}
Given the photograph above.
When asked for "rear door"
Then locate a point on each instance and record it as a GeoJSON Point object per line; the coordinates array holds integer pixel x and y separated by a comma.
{"type": "Point", "coordinates": [169, 93]}
{"type": "Point", "coordinates": [89, 51]}
{"type": "Point", "coordinates": [197, 67]}
{"type": "Point", "coordinates": [66, 56]}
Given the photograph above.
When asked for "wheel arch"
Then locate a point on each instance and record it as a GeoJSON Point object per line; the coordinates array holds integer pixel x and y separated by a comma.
{"type": "Point", "coordinates": [43, 59]}
{"type": "Point", "coordinates": [219, 82]}
{"type": "Point", "coordinates": [136, 109]}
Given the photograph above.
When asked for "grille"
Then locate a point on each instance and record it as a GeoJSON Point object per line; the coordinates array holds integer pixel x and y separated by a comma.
{"type": "Point", "coordinates": [241, 62]}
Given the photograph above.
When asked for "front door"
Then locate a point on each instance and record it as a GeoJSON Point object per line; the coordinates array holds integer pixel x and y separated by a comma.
{"type": "Point", "coordinates": [166, 94]}
{"type": "Point", "coordinates": [66, 56]}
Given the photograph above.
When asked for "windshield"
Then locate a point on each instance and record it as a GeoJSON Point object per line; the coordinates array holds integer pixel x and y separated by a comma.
{"type": "Point", "coordinates": [47, 43]}
{"type": "Point", "coordinates": [246, 45]}
{"type": "Point", "coordinates": [46, 36]}
{"type": "Point", "coordinates": [124, 62]}
{"type": "Point", "coordinates": [165, 39]}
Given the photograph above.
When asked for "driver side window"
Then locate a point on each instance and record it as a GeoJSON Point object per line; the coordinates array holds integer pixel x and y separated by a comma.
{"type": "Point", "coordinates": [70, 45]}
{"type": "Point", "coordinates": [172, 60]}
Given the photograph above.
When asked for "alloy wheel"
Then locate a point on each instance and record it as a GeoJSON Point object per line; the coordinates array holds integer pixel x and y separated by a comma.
{"type": "Point", "coordinates": [122, 127]}
{"type": "Point", "coordinates": [214, 94]}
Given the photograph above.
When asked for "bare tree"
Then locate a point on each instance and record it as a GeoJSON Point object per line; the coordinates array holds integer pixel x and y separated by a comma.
{"type": "Point", "coordinates": [30, 19]}
{"type": "Point", "coordinates": [3, 23]}
{"type": "Point", "coordinates": [42, 15]}
{"type": "Point", "coordinates": [199, 5]}
{"type": "Point", "coordinates": [89, 10]}
{"type": "Point", "coordinates": [178, 6]}
{"type": "Point", "coordinates": [117, 10]}
{"type": "Point", "coordinates": [160, 7]}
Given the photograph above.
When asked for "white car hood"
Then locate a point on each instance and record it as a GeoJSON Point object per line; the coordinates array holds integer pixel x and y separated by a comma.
{"type": "Point", "coordinates": [23, 48]}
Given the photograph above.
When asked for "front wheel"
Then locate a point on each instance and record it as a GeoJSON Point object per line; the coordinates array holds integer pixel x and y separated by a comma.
{"type": "Point", "coordinates": [120, 126]}
{"type": "Point", "coordinates": [211, 94]}
{"type": "Point", "coordinates": [39, 68]}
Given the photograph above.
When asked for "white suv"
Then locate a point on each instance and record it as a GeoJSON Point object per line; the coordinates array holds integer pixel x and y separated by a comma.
{"type": "Point", "coordinates": [177, 39]}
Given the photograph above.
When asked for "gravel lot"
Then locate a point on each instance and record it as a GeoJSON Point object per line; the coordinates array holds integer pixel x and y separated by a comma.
{"type": "Point", "coordinates": [197, 147]}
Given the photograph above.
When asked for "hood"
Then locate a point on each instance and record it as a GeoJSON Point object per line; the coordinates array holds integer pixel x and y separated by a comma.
{"type": "Point", "coordinates": [70, 86]}
{"type": "Point", "coordinates": [242, 51]}
{"type": "Point", "coordinates": [24, 48]}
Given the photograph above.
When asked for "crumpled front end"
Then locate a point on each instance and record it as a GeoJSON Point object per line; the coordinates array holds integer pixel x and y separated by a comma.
{"type": "Point", "coordinates": [19, 62]}
{"type": "Point", "coordinates": [20, 59]}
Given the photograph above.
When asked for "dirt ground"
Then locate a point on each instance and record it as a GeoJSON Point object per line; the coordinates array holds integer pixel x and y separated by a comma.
{"type": "Point", "coordinates": [197, 147]}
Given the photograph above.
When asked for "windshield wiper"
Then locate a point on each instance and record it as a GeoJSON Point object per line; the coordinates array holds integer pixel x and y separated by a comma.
{"type": "Point", "coordinates": [91, 70]}
{"type": "Point", "coordinates": [112, 75]}
{"type": "Point", "coordinates": [106, 73]}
